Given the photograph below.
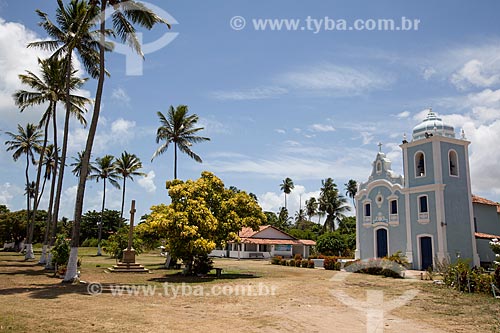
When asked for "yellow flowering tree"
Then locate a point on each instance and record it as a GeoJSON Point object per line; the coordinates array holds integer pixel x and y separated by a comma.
{"type": "Point", "coordinates": [203, 215]}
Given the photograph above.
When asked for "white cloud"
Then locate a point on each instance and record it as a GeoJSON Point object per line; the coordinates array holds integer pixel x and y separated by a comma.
{"type": "Point", "coordinates": [147, 182]}
{"type": "Point", "coordinates": [249, 94]}
{"type": "Point", "coordinates": [337, 80]}
{"type": "Point", "coordinates": [367, 137]}
{"type": "Point", "coordinates": [474, 73]}
{"type": "Point", "coordinates": [8, 192]}
{"type": "Point", "coordinates": [120, 95]}
{"type": "Point", "coordinates": [403, 115]}
{"type": "Point", "coordinates": [16, 59]}
{"type": "Point", "coordinates": [212, 126]}
{"type": "Point", "coordinates": [427, 73]}
{"type": "Point", "coordinates": [322, 128]}
{"type": "Point", "coordinates": [273, 201]}
{"type": "Point", "coordinates": [119, 132]}
{"type": "Point", "coordinates": [280, 131]}
{"type": "Point", "coordinates": [122, 126]}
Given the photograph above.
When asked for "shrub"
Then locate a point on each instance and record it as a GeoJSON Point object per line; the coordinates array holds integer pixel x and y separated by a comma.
{"type": "Point", "coordinates": [310, 264]}
{"type": "Point", "coordinates": [291, 263]}
{"type": "Point", "coordinates": [297, 256]}
{"type": "Point", "coordinates": [283, 262]}
{"type": "Point", "coordinates": [497, 277]}
{"type": "Point", "coordinates": [298, 263]}
{"type": "Point", "coordinates": [60, 251]}
{"type": "Point", "coordinates": [304, 263]}
{"type": "Point", "coordinates": [90, 242]}
{"type": "Point", "coordinates": [276, 260]}
{"type": "Point", "coordinates": [329, 263]}
{"type": "Point", "coordinates": [337, 265]}
{"type": "Point", "coordinates": [202, 264]}
{"type": "Point", "coordinates": [118, 241]}
{"type": "Point", "coordinates": [376, 266]}
{"type": "Point", "coordinates": [400, 258]}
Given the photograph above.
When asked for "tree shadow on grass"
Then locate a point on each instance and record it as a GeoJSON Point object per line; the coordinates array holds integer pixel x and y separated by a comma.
{"type": "Point", "coordinates": [47, 291]}
{"type": "Point", "coordinates": [180, 278]}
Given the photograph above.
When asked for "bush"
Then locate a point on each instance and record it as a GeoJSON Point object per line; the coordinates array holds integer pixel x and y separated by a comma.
{"type": "Point", "coordinates": [298, 263]}
{"type": "Point", "coordinates": [276, 260]}
{"type": "Point", "coordinates": [461, 277]}
{"type": "Point", "coordinates": [284, 262]}
{"type": "Point", "coordinates": [329, 263]}
{"type": "Point", "coordinates": [202, 264]}
{"type": "Point", "coordinates": [60, 251]}
{"type": "Point", "coordinates": [310, 264]}
{"type": "Point", "coordinates": [90, 242]}
{"type": "Point", "coordinates": [291, 263]}
{"type": "Point", "coordinates": [297, 256]}
{"type": "Point", "coordinates": [376, 266]}
{"type": "Point", "coordinates": [118, 241]}
{"type": "Point", "coordinates": [304, 263]}
{"type": "Point", "coordinates": [496, 277]}
{"type": "Point", "coordinates": [399, 258]}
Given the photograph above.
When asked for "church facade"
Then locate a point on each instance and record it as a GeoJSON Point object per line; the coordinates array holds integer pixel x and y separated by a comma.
{"type": "Point", "coordinates": [427, 214]}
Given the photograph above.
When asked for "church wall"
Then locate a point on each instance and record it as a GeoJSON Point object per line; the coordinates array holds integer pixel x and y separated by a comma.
{"type": "Point", "coordinates": [426, 148]}
{"type": "Point", "coordinates": [456, 205]}
{"type": "Point", "coordinates": [423, 228]}
{"type": "Point", "coordinates": [486, 219]}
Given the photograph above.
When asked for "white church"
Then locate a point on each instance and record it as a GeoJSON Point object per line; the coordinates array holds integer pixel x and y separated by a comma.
{"type": "Point", "coordinates": [428, 213]}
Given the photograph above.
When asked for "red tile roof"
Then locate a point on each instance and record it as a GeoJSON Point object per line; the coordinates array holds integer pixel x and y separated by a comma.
{"type": "Point", "coordinates": [483, 201]}
{"type": "Point", "coordinates": [267, 241]}
{"type": "Point", "coordinates": [249, 232]}
{"type": "Point", "coordinates": [247, 236]}
{"type": "Point", "coordinates": [486, 236]}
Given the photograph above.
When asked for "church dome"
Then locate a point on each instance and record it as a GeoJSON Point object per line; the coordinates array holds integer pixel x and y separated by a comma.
{"type": "Point", "coordinates": [432, 125]}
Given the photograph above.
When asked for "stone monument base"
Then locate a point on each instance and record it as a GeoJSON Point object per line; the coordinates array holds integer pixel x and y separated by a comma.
{"type": "Point", "coordinates": [128, 264]}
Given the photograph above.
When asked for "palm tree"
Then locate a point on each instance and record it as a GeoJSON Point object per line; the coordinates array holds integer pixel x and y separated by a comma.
{"type": "Point", "coordinates": [51, 163]}
{"type": "Point", "coordinates": [72, 33]}
{"type": "Point", "coordinates": [287, 187]}
{"type": "Point", "coordinates": [77, 164]}
{"type": "Point", "coordinates": [311, 207]}
{"type": "Point", "coordinates": [49, 88]}
{"type": "Point", "coordinates": [106, 171]}
{"type": "Point", "coordinates": [179, 128]}
{"type": "Point", "coordinates": [26, 142]}
{"type": "Point", "coordinates": [332, 203]}
{"type": "Point", "coordinates": [124, 12]}
{"type": "Point", "coordinates": [351, 188]}
{"type": "Point", "coordinates": [127, 166]}
{"type": "Point", "coordinates": [300, 215]}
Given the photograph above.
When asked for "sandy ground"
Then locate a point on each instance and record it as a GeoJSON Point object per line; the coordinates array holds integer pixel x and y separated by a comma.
{"type": "Point", "coordinates": [291, 299]}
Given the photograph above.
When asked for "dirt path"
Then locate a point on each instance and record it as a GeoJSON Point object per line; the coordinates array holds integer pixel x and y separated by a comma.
{"type": "Point", "coordinates": [304, 300]}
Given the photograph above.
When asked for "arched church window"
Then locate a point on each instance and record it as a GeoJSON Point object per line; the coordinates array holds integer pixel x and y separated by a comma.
{"type": "Point", "coordinates": [368, 210]}
{"type": "Point", "coordinates": [379, 167]}
{"type": "Point", "coordinates": [453, 161]}
{"type": "Point", "coordinates": [420, 164]}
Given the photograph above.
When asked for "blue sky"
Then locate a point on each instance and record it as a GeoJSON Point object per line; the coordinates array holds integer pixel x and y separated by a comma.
{"type": "Point", "coordinates": [279, 104]}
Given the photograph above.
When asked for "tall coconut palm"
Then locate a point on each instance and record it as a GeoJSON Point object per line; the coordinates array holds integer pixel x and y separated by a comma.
{"type": "Point", "coordinates": [124, 15]}
{"type": "Point", "coordinates": [105, 171]}
{"type": "Point", "coordinates": [72, 33]}
{"type": "Point", "coordinates": [127, 166]}
{"type": "Point", "coordinates": [51, 163]}
{"type": "Point", "coordinates": [311, 207]}
{"type": "Point", "coordinates": [26, 142]}
{"type": "Point", "coordinates": [77, 165]}
{"type": "Point", "coordinates": [287, 187]}
{"type": "Point", "coordinates": [178, 128]}
{"type": "Point", "coordinates": [332, 203]}
{"type": "Point", "coordinates": [351, 188]}
{"type": "Point", "coordinates": [49, 87]}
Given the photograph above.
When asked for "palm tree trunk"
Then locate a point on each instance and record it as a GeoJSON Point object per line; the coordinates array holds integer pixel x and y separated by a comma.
{"type": "Point", "coordinates": [99, 235]}
{"type": "Point", "coordinates": [37, 197]}
{"type": "Point", "coordinates": [72, 271]}
{"type": "Point", "coordinates": [55, 215]}
{"type": "Point", "coordinates": [285, 200]}
{"type": "Point", "coordinates": [175, 160]}
{"type": "Point", "coordinates": [29, 247]}
{"type": "Point", "coordinates": [123, 202]}
{"type": "Point", "coordinates": [53, 223]}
